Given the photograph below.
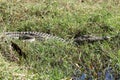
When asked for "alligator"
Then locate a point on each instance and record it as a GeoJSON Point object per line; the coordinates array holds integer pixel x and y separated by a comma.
{"type": "Point", "coordinates": [39, 36]}
{"type": "Point", "coordinates": [32, 36]}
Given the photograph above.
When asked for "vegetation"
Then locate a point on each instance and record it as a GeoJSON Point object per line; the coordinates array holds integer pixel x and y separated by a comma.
{"type": "Point", "coordinates": [55, 60]}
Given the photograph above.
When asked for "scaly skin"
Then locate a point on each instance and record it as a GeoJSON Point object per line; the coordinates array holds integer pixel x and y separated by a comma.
{"type": "Point", "coordinates": [44, 36]}
{"type": "Point", "coordinates": [30, 35]}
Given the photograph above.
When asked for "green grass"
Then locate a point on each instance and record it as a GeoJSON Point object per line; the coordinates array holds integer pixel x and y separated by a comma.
{"type": "Point", "coordinates": [55, 60]}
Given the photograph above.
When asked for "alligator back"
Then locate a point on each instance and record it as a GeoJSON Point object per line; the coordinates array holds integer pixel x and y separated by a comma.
{"type": "Point", "coordinates": [30, 35]}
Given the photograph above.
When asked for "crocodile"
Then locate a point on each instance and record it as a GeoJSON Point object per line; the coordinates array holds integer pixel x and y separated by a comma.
{"type": "Point", "coordinates": [40, 36]}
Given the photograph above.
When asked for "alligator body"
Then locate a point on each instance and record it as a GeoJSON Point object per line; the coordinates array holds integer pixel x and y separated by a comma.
{"type": "Point", "coordinates": [39, 36]}
{"type": "Point", "coordinates": [32, 36]}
